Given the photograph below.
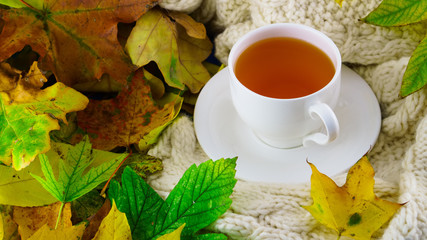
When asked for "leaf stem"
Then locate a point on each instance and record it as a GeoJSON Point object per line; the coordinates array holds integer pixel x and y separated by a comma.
{"type": "Point", "coordinates": [112, 175]}
{"type": "Point", "coordinates": [28, 5]}
{"type": "Point", "coordinates": [59, 214]}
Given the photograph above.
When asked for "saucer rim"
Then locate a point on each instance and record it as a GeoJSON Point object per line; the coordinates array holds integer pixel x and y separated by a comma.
{"type": "Point", "coordinates": [211, 151]}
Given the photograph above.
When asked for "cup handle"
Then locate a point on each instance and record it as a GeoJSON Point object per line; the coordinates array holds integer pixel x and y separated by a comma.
{"type": "Point", "coordinates": [330, 121]}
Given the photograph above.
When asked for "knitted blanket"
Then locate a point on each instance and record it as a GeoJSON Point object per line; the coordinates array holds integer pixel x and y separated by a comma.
{"type": "Point", "coordinates": [380, 56]}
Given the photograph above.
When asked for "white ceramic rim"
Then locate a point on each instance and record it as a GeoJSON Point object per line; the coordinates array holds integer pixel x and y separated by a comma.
{"type": "Point", "coordinates": [270, 27]}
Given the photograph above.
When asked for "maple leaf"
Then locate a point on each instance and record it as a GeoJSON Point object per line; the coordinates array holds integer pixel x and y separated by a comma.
{"type": "Point", "coordinates": [73, 180]}
{"type": "Point", "coordinates": [351, 210]}
{"type": "Point", "coordinates": [127, 118]}
{"type": "Point", "coordinates": [177, 49]}
{"type": "Point", "coordinates": [28, 114]}
{"type": "Point", "coordinates": [114, 226]}
{"type": "Point", "coordinates": [76, 40]}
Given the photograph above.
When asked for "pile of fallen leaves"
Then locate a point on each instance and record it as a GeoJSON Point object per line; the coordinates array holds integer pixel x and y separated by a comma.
{"type": "Point", "coordinates": [81, 82]}
{"type": "Point", "coordinates": [85, 88]}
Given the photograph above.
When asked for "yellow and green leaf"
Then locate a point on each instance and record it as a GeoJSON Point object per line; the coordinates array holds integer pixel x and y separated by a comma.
{"type": "Point", "coordinates": [398, 13]}
{"type": "Point", "coordinates": [352, 210]}
{"type": "Point", "coordinates": [179, 56]}
{"type": "Point", "coordinates": [28, 114]}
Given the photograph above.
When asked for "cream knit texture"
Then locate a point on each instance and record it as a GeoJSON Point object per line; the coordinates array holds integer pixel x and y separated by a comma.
{"type": "Point", "coordinates": [380, 55]}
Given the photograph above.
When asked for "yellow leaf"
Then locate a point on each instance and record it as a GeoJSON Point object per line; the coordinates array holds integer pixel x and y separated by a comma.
{"type": "Point", "coordinates": [114, 226]}
{"type": "Point", "coordinates": [62, 233]}
{"type": "Point", "coordinates": [31, 219]}
{"type": "Point", "coordinates": [194, 29]}
{"type": "Point", "coordinates": [339, 2]}
{"type": "Point", "coordinates": [352, 210]}
{"type": "Point", "coordinates": [8, 77]}
{"type": "Point", "coordinates": [1, 227]}
{"type": "Point", "coordinates": [175, 235]}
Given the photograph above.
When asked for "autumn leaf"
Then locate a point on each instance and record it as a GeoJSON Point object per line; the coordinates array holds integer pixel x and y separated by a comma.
{"type": "Point", "coordinates": [19, 188]}
{"type": "Point", "coordinates": [339, 2]}
{"type": "Point", "coordinates": [87, 205]}
{"type": "Point", "coordinates": [19, 4]}
{"type": "Point", "coordinates": [351, 210]}
{"type": "Point", "coordinates": [68, 233]}
{"type": "Point", "coordinates": [37, 222]}
{"type": "Point", "coordinates": [392, 13]}
{"type": "Point", "coordinates": [28, 114]}
{"type": "Point", "coordinates": [8, 77]}
{"type": "Point", "coordinates": [198, 199]}
{"type": "Point", "coordinates": [74, 181]}
{"type": "Point", "coordinates": [30, 219]}
{"type": "Point", "coordinates": [157, 37]}
{"type": "Point", "coordinates": [76, 40]}
{"type": "Point", "coordinates": [144, 164]}
{"type": "Point", "coordinates": [114, 226]}
{"type": "Point", "coordinates": [175, 235]}
{"type": "Point", "coordinates": [9, 227]}
{"type": "Point", "coordinates": [128, 118]}
{"type": "Point", "coordinates": [95, 220]}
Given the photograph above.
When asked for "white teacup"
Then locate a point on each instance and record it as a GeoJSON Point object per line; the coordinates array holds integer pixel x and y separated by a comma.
{"type": "Point", "coordinates": [288, 122]}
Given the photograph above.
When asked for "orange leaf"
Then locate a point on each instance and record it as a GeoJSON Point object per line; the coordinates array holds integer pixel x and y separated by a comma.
{"type": "Point", "coordinates": [30, 219]}
{"type": "Point", "coordinates": [96, 220]}
{"type": "Point", "coordinates": [127, 118]}
{"type": "Point", "coordinates": [76, 40]}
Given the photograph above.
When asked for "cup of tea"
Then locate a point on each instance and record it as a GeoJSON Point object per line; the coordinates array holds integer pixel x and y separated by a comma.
{"type": "Point", "coordinates": [285, 81]}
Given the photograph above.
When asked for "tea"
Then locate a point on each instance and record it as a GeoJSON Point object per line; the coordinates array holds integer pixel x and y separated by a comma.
{"type": "Point", "coordinates": [284, 67]}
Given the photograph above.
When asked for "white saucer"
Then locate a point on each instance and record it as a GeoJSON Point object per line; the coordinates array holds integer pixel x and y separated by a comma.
{"type": "Point", "coordinates": [222, 134]}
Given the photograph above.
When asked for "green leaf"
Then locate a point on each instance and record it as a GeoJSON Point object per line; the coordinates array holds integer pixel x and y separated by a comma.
{"type": "Point", "coordinates": [199, 198]}
{"type": "Point", "coordinates": [137, 199]}
{"type": "Point", "coordinates": [38, 4]}
{"type": "Point", "coordinates": [415, 76]}
{"type": "Point", "coordinates": [398, 13]}
{"type": "Point", "coordinates": [210, 236]}
{"type": "Point", "coordinates": [72, 183]}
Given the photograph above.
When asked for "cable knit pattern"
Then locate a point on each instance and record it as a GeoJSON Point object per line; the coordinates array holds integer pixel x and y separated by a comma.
{"type": "Point", "coordinates": [380, 55]}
